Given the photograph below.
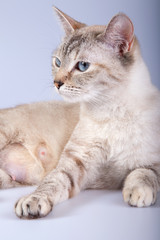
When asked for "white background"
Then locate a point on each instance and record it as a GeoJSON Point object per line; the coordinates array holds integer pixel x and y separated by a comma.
{"type": "Point", "coordinates": [92, 215]}
{"type": "Point", "coordinates": [29, 33]}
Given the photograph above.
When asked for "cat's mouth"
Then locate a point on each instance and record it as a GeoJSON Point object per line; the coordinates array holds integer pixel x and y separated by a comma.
{"type": "Point", "coordinates": [70, 93]}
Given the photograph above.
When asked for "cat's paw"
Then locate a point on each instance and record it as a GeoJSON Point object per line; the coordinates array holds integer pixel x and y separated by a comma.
{"type": "Point", "coordinates": [33, 206]}
{"type": "Point", "coordinates": [142, 196]}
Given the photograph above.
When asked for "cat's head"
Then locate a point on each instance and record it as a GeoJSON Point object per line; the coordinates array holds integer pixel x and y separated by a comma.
{"type": "Point", "coordinates": [93, 60]}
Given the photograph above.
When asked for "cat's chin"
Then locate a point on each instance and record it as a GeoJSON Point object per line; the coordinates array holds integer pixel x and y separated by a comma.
{"type": "Point", "coordinates": [76, 99]}
{"type": "Point", "coordinates": [70, 99]}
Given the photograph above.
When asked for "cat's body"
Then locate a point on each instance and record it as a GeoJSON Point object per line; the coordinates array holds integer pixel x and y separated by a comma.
{"type": "Point", "coordinates": [28, 134]}
{"type": "Point", "coordinates": [116, 142]}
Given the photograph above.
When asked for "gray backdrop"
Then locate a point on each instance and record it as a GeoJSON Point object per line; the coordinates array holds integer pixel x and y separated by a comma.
{"type": "Point", "coordinates": [29, 32]}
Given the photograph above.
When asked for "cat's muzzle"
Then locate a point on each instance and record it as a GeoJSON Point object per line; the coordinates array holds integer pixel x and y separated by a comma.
{"type": "Point", "coordinates": [58, 84]}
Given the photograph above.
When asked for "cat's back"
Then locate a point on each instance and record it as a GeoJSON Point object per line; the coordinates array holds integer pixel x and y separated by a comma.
{"type": "Point", "coordinates": [42, 111]}
{"type": "Point", "coordinates": [43, 120]}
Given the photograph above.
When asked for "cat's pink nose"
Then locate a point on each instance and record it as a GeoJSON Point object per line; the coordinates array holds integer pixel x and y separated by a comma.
{"type": "Point", "coordinates": [58, 84]}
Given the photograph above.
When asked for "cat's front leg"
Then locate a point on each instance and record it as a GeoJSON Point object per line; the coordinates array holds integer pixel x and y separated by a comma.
{"type": "Point", "coordinates": [62, 183]}
{"type": "Point", "coordinates": [58, 186]}
{"type": "Point", "coordinates": [140, 187]}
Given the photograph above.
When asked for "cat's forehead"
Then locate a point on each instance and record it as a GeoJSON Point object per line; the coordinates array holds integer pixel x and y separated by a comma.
{"type": "Point", "coordinates": [82, 38]}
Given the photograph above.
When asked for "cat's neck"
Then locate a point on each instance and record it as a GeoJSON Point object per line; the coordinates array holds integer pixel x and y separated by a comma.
{"type": "Point", "coordinates": [104, 111]}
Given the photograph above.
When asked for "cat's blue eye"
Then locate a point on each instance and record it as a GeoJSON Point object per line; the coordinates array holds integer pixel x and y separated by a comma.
{"type": "Point", "coordinates": [57, 62]}
{"type": "Point", "coordinates": [83, 66]}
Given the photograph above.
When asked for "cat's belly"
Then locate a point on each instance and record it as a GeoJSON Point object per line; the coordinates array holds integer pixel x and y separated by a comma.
{"type": "Point", "coordinates": [21, 165]}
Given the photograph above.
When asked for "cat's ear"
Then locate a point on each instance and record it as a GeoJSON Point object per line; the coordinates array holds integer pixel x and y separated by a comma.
{"type": "Point", "coordinates": [119, 34]}
{"type": "Point", "coordinates": [68, 23]}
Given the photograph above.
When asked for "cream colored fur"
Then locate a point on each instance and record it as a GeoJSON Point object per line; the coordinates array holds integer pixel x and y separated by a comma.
{"type": "Point", "coordinates": [116, 142]}
{"type": "Point", "coordinates": [32, 139]}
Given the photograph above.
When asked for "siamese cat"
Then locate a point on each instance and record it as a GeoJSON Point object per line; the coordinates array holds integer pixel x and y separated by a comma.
{"type": "Point", "coordinates": [106, 136]}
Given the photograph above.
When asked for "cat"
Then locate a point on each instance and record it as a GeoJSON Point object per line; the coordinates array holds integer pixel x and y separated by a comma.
{"type": "Point", "coordinates": [32, 137]}
{"type": "Point", "coordinates": [116, 141]}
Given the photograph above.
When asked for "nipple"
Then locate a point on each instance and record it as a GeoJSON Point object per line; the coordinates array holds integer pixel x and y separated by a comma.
{"type": "Point", "coordinates": [42, 153]}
